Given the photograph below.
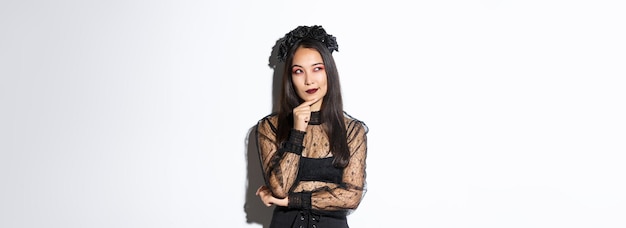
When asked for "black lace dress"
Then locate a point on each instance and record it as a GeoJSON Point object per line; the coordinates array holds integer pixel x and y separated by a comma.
{"type": "Point", "coordinates": [320, 195]}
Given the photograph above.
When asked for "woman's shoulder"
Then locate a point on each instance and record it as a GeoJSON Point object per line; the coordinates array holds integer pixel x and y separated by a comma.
{"type": "Point", "coordinates": [270, 120]}
{"type": "Point", "coordinates": [352, 122]}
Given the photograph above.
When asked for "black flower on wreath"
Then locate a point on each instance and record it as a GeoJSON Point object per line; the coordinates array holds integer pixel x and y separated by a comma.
{"type": "Point", "coordinates": [315, 32]}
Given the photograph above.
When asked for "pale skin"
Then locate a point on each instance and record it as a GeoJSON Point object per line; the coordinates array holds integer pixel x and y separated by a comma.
{"type": "Point", "coordinates": [309, 79]}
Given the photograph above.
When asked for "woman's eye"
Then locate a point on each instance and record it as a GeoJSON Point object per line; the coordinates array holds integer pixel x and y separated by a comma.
{"type": "Point", "coordinates": [318, 68]}
{"type": "Point", "coordinates": [297, 71]}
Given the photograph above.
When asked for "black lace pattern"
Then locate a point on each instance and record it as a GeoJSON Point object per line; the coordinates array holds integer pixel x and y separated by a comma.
{"type": "Point", "coordinates": [327, 193]}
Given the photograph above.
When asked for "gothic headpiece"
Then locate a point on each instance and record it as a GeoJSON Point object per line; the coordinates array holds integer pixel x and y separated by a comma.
{"type": "Point", "coordinates": [315, 32]}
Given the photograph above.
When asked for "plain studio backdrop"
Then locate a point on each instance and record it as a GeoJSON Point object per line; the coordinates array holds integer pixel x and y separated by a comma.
{"type": "Point", "coordinates": [488, 113]}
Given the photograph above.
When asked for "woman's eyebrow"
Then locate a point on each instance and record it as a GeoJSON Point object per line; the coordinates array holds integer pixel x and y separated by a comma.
{"type": "Point", "coordinates": [314, 64]}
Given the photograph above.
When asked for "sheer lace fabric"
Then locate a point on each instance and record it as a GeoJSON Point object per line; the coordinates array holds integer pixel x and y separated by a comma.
{"type": "Point", "coordinates": [281, 167]}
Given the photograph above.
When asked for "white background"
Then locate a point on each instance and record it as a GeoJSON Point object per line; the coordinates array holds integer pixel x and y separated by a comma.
{"type": "Point", "coordinates": [481, 113]}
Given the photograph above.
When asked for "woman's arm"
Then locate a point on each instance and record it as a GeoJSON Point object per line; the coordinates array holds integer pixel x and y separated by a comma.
{"type": "Point", "coordinates": [266, 196]}
{"type": "Point", "coordinates": [349, 193]}
{"type": "Point", "coordinates": [279, 164]}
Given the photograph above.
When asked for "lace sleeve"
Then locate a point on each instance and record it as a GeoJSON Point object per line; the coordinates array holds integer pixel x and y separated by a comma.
{"type": "Point", "coordinates": [349, 193]}
{"type": "Point", "coordinates": [280, 165]}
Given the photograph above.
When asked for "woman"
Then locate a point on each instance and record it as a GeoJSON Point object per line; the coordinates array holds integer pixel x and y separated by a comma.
{"type": "Point", "coordinates": [312, 152]}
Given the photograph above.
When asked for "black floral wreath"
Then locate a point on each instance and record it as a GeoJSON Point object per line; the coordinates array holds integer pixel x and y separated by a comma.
{"type": "Point", "coordinates": [315, 32]}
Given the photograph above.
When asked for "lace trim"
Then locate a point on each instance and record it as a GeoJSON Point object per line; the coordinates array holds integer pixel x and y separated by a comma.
{"type": "Point", "coordinates": [295, 141]}
{"type": "Point", "coordinates": [315, 118]}
{"type": "Point", "coordinates": [300, 200]}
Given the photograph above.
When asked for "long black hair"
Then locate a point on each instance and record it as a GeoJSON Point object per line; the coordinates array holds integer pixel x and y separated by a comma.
{"type": "Point", "coordinates": [331, 112]}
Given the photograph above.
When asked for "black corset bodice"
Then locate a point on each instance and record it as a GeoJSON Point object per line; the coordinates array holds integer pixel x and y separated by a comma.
{"type": "Point", "coordinates": [319, 169]}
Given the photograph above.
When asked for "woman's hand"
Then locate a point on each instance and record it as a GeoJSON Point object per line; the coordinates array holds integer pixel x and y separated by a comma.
{"type": "Point", "coordinates": [302, 115]}
{"type": "Point", "coordinates": [266, 196]}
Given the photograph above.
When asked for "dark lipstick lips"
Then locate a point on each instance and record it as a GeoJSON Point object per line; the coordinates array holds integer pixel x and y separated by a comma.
{"type": "Point", "coordinates": [310, 91]}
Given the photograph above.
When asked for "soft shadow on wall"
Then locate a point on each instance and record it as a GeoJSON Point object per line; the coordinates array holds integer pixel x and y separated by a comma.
{"type": "Point", "coordinates": [256, 212]}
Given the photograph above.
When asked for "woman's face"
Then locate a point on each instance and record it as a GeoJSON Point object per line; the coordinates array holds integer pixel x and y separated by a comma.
{"type": "Point", "coordinates": [309, 76]}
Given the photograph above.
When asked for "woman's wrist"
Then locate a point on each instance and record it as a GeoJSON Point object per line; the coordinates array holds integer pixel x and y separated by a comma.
{"type": "Point", "coordinates": [296, 136]}
{"type": "Point", "coordinates": [299, 200]}
{"type": "Point", "coordinates": [294, 142]}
